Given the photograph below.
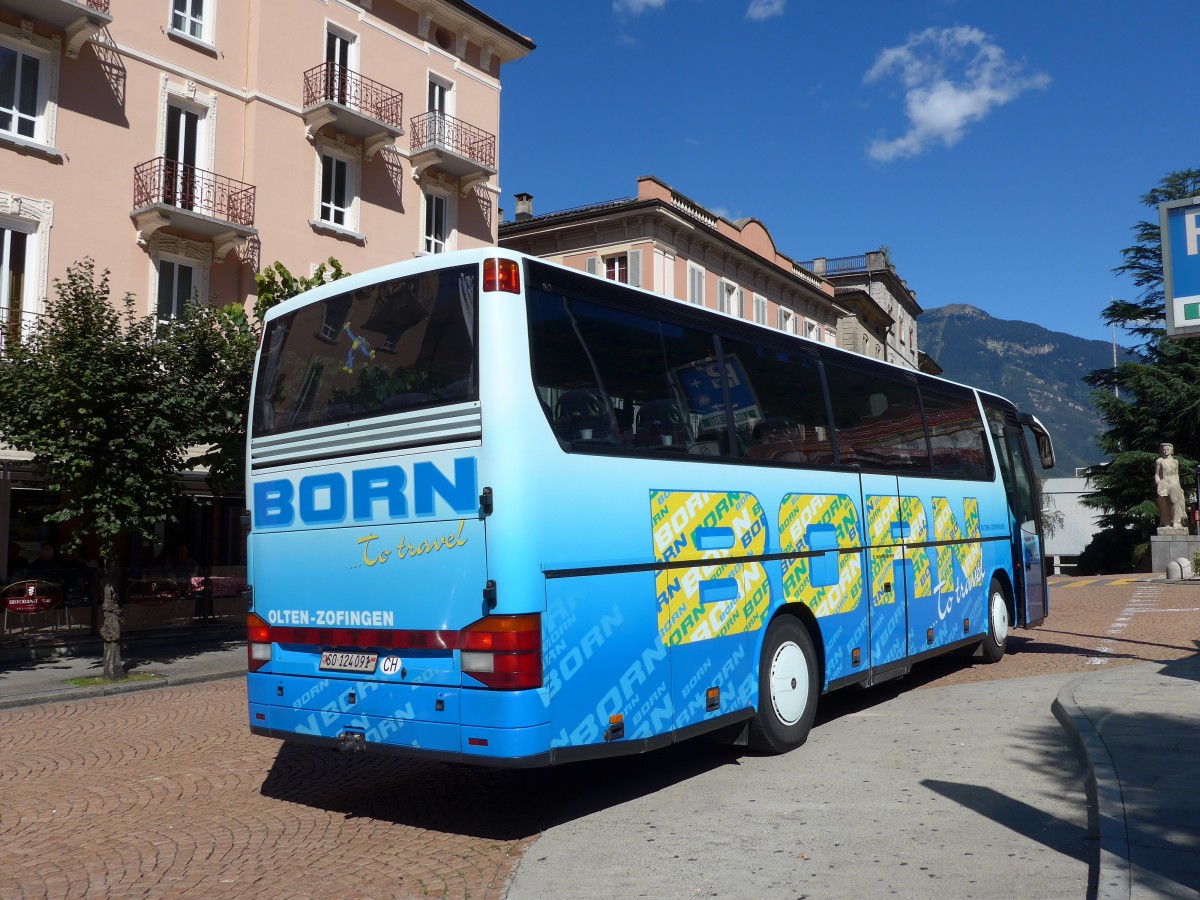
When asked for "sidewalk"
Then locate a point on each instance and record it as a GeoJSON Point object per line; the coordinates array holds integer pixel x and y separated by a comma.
{"type": "Point", "coordinates": [175, 659]}
{"type": "Point", "coordinates": [1138, 729]}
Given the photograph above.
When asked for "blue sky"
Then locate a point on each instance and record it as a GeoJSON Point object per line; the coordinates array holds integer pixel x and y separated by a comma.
{"type": "Point", "coordinates": [997, 147]}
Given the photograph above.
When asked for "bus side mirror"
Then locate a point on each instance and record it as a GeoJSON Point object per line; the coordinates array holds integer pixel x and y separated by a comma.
{"type": "Point", "coordinates": [1041, 437]}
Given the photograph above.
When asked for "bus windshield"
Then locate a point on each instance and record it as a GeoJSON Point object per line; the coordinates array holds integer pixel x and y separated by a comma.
{"type": "Point", "coordinates": [406, 343]}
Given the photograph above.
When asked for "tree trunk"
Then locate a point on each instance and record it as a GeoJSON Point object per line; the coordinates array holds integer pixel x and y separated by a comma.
{"type": "Point", "coordinates": [110, 629]}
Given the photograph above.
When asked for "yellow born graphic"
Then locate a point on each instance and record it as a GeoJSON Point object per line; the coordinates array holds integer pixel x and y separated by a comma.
{"type": "Point", "coordinates": [720, 596]}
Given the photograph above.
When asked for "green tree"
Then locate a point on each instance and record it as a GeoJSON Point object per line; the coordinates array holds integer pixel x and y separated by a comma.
{"type": "Point", "coordinates": [211, 351]}
{"type": "Point", "coordinates": [90, 394]}
{"type": "Point", "coordinates": [1152, 399]}
{"type": "Point", "coordinates": [276, 284]}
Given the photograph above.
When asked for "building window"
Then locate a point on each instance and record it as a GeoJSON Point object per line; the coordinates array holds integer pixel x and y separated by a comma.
{"type": "Point", "coordinates": [14, 265]}
{"type": "Point", "coordinates": [436, 223]}
{"type": "Point", "coordinates": [730, 298]}
{"type": "Point", "coordinates": [616, 268]}
{"type": "Point", "coordinates": [760, 310]}
{"type": "Point", "coordinates": [176, 284]}
{"type": "Point", "coordinates": [812, 330]}
{"type": "Point", "coordinates": [339, 54]}
{"type": "Point", "coordinates": [193, 18]}
{"type": "Point", "coordinates": [22, 93]}
{"type": "Point", "coordinates": [438, 100]}
{"type": "Point", "coordinates": [695, 285]}
{"type": "Point", "coordinates": [787, 321]}
{"type": "Point", "coordinates": [335, 191]}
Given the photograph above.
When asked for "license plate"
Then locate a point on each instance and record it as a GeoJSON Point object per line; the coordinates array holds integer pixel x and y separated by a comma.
{"type": "Point", "coordinates": [335, 661]}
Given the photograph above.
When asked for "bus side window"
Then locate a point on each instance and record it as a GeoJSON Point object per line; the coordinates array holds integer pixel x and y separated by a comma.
{"type": "Point", "coordinates": [786, 420]}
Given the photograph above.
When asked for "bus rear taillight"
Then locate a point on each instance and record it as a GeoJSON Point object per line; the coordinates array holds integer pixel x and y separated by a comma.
{"type": "Point", "coordinates": [504, 652]}
{"type": "Point", "coordinates": [502, 275]}
{"type": "Point", "coordinates": [258, 642]}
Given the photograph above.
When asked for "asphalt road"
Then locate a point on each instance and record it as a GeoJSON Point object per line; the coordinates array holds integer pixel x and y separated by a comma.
{"type": "Point", "coordinates": [954, 781]}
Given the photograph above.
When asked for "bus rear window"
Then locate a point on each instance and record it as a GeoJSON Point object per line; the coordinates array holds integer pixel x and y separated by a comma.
{"type": "Point", "coordinates": [389, 347]}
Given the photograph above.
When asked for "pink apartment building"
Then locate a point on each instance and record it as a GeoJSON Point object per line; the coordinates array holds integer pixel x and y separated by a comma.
{"type": "Point", "coordinates": [182, 144]}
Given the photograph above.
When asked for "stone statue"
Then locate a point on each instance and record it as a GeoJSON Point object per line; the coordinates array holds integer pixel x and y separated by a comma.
{"type": "Point", "coordinates": [1170, 493]}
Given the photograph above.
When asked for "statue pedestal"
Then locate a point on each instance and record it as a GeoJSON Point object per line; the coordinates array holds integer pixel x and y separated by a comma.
{"type": "Point", "coordinates": [1169, 544]}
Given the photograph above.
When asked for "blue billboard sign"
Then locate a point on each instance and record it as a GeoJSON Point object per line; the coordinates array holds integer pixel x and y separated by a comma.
{"type": "Point", "coordinates": [1179, 221]}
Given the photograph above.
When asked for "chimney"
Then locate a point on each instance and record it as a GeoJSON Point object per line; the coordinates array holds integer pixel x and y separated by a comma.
{"type": "Point", "coordinates": [524, 207]}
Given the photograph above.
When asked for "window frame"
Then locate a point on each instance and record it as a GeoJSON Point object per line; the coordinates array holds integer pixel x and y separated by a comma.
{"type": "Point", "coordinates": [695, 284]}
{"type": "Point", "coordinates": [338, 154]}
{"type": "Point", "coordinates": [47, 52]}
{"type": "Point", "coordinates": [430, 200]}
{"type": "Point", "coordinates": [196, 254]}
{"type": "Point", "coordinates": [177, 302]}
{"type": "Point", "coordinates": [206, 19]}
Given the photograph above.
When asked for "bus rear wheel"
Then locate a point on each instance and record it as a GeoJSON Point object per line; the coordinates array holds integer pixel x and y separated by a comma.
{"type": "Point", "coordinates": [996, 639]}
{"type": "Point", "coordinates": [787, 688]}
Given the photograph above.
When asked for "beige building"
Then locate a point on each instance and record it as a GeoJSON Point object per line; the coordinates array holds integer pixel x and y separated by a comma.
{"type": "Point", "coordinates": [885, 308]}
{"type": "Point", "coordinates": [183, 143]}
{"type": "Point", "coordinates": [665, 242]}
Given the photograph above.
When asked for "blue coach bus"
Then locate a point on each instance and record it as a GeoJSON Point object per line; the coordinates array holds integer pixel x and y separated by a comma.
{"type": "Point", "coordinates": [507, 513]}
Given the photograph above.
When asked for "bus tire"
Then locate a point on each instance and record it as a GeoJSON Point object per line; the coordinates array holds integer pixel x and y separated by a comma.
{"type": "Point", "coordinates": [996, 639]}
{"type": "Point", "coordinates": [787, 688]}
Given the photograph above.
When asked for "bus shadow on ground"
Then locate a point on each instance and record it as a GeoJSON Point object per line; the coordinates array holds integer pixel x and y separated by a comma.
{"type": "Point", "coordinates": [497, 804]}
{"type": "Point", "coordinates": [513, 804]}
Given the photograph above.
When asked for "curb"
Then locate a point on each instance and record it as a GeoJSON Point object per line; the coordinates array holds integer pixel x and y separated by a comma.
{"type": "Point", "coordinates": [75, 694]}
{"type": "Point", "coordinates": [1109, 876]}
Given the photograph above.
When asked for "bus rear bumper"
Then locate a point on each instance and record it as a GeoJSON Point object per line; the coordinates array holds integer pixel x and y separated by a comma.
{"type": "Point", "coordinates": [409, 720]}
{"type": "Point", "coordinates": [504, 748]}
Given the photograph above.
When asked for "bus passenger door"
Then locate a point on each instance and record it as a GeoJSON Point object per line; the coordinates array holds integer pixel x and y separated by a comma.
{"type": "Point", "coordinates": [1026, 509]}
{"type": "Point", "coordinates": [1029, 570]}
{"type": "Point", "coordinates": [886, 572]}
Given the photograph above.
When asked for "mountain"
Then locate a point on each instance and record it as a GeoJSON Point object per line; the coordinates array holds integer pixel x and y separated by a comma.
{"type": "Point", "coordinates": [1039, 370]}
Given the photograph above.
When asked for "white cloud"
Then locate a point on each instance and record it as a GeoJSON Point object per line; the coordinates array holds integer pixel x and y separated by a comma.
{"type": "Point", "coordinates": [765, 9]}
{"type": "Point", "coordinates": [952, 77]}
{"type": "Point", "coordinates": [637, 7]}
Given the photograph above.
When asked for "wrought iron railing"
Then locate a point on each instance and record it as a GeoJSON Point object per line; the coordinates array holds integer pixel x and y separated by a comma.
{"type": "Point", "coordinates": [434, 129]}
{"type": "Point", "coordinates": [173, 183]}
{"type": "Point", "coordinates": [331, 83]}
{"type": "Point", "coordinates": [16, 324]}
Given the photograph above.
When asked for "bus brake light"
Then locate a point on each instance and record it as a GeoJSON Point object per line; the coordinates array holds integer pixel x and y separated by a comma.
{"type": "Point", "coordinates": [258, 643]}
{"type": "Point", "coordinates": [502, 275]}
{"type": "Point", "coordinates": [504, 652]}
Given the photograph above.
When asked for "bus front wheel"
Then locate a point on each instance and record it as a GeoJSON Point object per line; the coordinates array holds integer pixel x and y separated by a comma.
{"type": "Point", "coordinates": [787, 688]}
{"type": "Point", "coordinates": [995, 640]}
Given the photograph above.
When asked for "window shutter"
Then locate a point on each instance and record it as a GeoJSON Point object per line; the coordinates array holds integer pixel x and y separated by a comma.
{"type": "Point", "coordinates": [592, 265]}
{"type": "Point", "coordinates": [722, 296]}
{"type": "Point", "coordinates": [635, 268]}
{"type": "Point", "coordinates": [741, 304]}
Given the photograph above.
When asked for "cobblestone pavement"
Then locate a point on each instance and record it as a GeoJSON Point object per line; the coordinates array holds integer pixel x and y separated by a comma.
{"type": "Point", "coordinates": [1094, 624]}
{"type": "Point", "coordinates": [165, 793]}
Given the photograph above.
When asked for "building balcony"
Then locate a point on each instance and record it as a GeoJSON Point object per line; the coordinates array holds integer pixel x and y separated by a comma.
{"type": "Point", "coordinates": [77, 19]}
{"type": "Point", "coordinates": [462, 151]}
{"type": "Point", "coordinates": [194, 203]}
{"type": "Point", "coordinates": [353, 105]}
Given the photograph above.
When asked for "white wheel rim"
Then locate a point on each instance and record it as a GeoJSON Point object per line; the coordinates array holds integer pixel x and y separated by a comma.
{"type": "Point", "coordinates": [789, 683]}
{"type": "Point", "coordinates": [999, 615]}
